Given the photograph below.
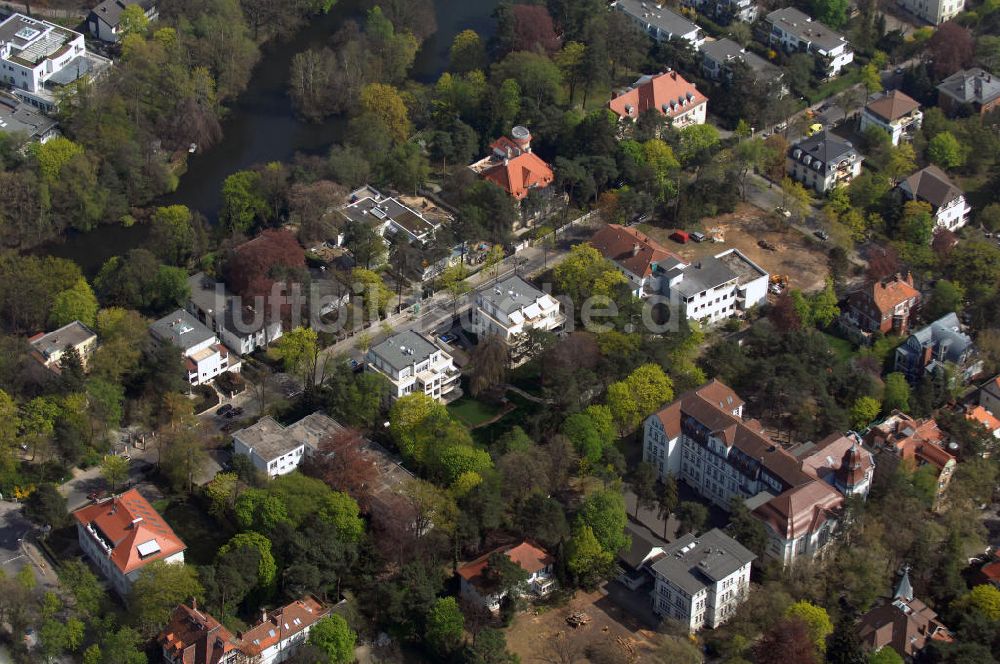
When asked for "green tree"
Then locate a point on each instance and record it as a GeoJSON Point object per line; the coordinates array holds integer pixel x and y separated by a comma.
{"type": "Point", "coordinates": [871, 78]}
{"type": "Point", "coordinates": [243, 204]}
{"type": "Point", "coordinates": [823, 306]}
{"type": "Point", "coordinates": [159, 589]}
{"type": "Point", "coordinates": [639, 395]}
{"type": "Point", "coordinates": [947, 297]}
{"type": "Point", "coordinates": [917, 223]}
{"type": "Point", "coordinates": [298, 351]}
{"type": "Point", "coordinates": [75, 303]}
{"type": "Point", "coordinates": [490, 647]}
{"type": "Point", "coordinates": [46, 506]}
{"type": "Point", "coordinates": [604, 512]}
{"type": "Point", "coordinates": [946, 151]}
{"type": "Point", "coordinates": [896, 395]}
{"type": "Point", "coordinates": [747, 529]}
{"type": "Point", "coordinates": [267, 569]}
{"type": "Point", "coordinates": [84, 585]}
{"type": "Point", "coordinates": [53, 155]}
{"type": "Point", "coordinates": [467, 52]}
{"type": "Point", "coordinates": [445, 625]}
{"type": "Point", "coordinates": [374, 293]}
{"type": "Point", "coordinates": [833, 13]}
{"type": "Point", "coordinates": [222, 493]}
{"type": "Point", "coordinates": [984, 599]}
{"type": "Point", "coordinates": [885, 655]}
{"type": "Point", "coordinates": [586, 559]}
{"type": "Point", "coordinates": [57, 636]}
{"type": "Point", "coordinates": [172, 233]}
{"type": "Point", "coordinates": [335, 638]}
{"type": "Point", "coordinates": [863, 411]}
{"type": "Point", "coordinates": [114, 470]}
{"type": "Point", "coordinates": [255, 509]}
{"type": "Point", "coordinates": [697, 140]}
{"type": "Point", "coordinates": [989, 216]}
{"type": "Point", "coordinates": [132, 21]}
{"type": "Point", "coordinates": [591, 431]}
{"type": "Point", "coordinates": [795, 198]}
{"type": "Point", "coordinates": [692, 517]}
{"type": "Point", "coordinates": [816, 619]}
{"type": "Point", "coordinates": [666, 501]}
{"type": "Point", "coordinates": [385, 106]}
{"type": "Point", "coordinates": [570, 61]}
{"type": "Point", "coordinates": [644, 487]}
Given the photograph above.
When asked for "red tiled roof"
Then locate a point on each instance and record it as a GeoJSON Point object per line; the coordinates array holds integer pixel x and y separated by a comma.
{"type": "Point", "coordinates": [519, 174]}
{"type": "Point", "coordinates": [984, 417]}
{"type": "Point", "coordinates": [531, 558]}
{"type": "Point", "coordinates": [887, 295]}
{"type": "Point", "coordinates": [669, 89]}
{"type": "Point", "coordinates": [800, 510]}
{"type": "Point", "coordinates": [126, 522]}
{"type": "Point", "coordinates": [632, 250]}
{"type": "Point", "coordinates": [282, 624]}
{"type": "Point", "coordinates": [920, 440]}
{"type": "Point", "coordinates": [193, 637]}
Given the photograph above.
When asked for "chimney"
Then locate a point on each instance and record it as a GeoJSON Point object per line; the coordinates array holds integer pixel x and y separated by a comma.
{"type": "Point", "coordinates": [263, 615]}
{"type": "Point", "coordinates": [635, 248]}
{"type": "Point", "coordinates": [194, 603]}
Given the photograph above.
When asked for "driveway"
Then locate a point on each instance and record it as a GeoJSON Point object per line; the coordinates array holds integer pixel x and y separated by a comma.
{"type": "Point", "coordinates": [16, 548]}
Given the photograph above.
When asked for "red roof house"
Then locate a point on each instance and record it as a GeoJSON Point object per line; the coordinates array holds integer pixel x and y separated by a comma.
{"type": "Point", "coordinates": [633, 252]}
{"type": "Point", "coordinates": [536, 561]}
{"type": "Point", "coordinates": [123, 534]}
{"type": "Point", "coordinates": [917, 442]}
{"type": "Point", "coordinates": [512, 166]}
{"type": "Point", "coordinates": [884, 306]}
{"type": "Point", "coordinates": [668, 94]}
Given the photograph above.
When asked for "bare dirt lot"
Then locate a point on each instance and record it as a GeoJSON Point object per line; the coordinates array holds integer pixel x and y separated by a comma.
{"type": "Point", "coordinates": [800, 257]}
{"type": "Point", "coordinates": [547, 638]}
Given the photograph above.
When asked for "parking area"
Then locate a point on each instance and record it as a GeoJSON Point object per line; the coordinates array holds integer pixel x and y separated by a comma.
{"type": "Point", "coordinates": [615, 616]}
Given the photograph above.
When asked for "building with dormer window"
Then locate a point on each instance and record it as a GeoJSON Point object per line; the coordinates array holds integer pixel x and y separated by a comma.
{"type": "Point", "coordinates": [823, 161]}
{"type": "Point", "coordinates": [669, 94]}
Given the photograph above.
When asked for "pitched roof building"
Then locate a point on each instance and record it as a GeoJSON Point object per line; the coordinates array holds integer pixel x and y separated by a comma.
{"type": "Point", "coordinates": [917, 442]}
{"type": "Point", "coordinates": [903, 623]}
{"type": "Point", "coordinates": [931, 185]}
{"type": "Point", "coordinates": [823, 161]}
{"type": "Point", "coordinates": [668, 94]}
{"type": "Point", "coordinates": [123, 534]}
{"type": "Point", "coordinates": [885, 306]}
{"type": "Point", "coordinates": [936, 346]}
{"type": "Point", "coordinates": [48, 348]}
{"type": "Point", "coordinates": [476, 585]}
{"type": "Point", "coordinates": [721, 55]}
{"type": "Point", "coordinates": [894, 112]}
{"type": "Point", "coordinates": [795, 31]}
{"type": "Point", "coordinates": [659, 22]}
{"type": "Point", "coordinates": [512, 166]}
{"type": "Point", "coordinates": [194, 637]}
{"type": "Point", "coordinates": [840, 461]}
{"type": "Point", "coordinates": [974, 88]}
{"type": "Point", "coordinates": [635, 253]}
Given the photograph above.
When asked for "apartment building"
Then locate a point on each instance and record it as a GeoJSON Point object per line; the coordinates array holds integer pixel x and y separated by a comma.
{"type": "Point", "coordinates": [240, 326]}
{"type": "Point", "coordinates": [972, 90]}
{"type": "Point", "coordinates": [48, 348]}
{"type": "Point", "coordinates": [720, 56]}
{"type": "Point", "coordinates": [511, 307]}
{"type": "Point", "coordinates": [205, 357]}
{"type": "Point", "coordinates": [703, 439]}
{"type": "Point", "coordinates": [668, 93]}
{"type": "Point", "coordinates": [391, 217]}
{"type": "Point", "coordinates": [894, 112]}
{"type": "Point", "coordinates": [413, 363]}
{"type": "Point", "coordinates": [934, 12]}
{"type": "Point", "coordinates": [659, 22]}
{"type": "Point", "coordinates": [275, 449]}
{"type": "Point", "coordinates": [701, 579]}
{"type": "Point", "coordinates": [713, 289]}
{"type": "Point", "coordinates": [796, 32]}
{"type": "Point", "coordinates": [823, 161]}
{"type": "Point", "coordinates": [725, 12]}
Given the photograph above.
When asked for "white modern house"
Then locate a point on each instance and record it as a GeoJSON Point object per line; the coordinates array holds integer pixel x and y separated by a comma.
{"type": "Point", "coordinates": [796, 32]}
{"type": "Point", "coordinates": [104, 20]}
{"type": "Point", "coordinates": [413, 363]}
{"type": "Point", "coordinates": [823, 161]}
{"type": "Point", "coordinates": [934, 12]}
{"type": "Point", "coordinates": [123, 534]}
{"type": "Point", "coordinates": [948, 203]}
{"type": "Point", "coordinates": [49, 347]}
{"type": "Point", "coordinates": [702, 579]}
{"type": "Point", "coordinates": [894, 112]}
{"type": "Point", "coordinates": [275, 449]}
{"type": "Point", "coordinates": [390, 216]}
{"type": "Point", "coordinates": [513, 306]}
{"type": "Point", "coordinates": [703, 439]}
{"type": "Point", "coordinates": [475, 583]}
{"type": "Point", "coordinates": [36, 55]}
{"type": "Point", "coordinates": [240, 326]}
{"type": "Point", "coordinates": [659, 22]}
{"type": "Point", "coordinates": [713, 289]}
{"type": "Point", "coordinates": [205, 357]}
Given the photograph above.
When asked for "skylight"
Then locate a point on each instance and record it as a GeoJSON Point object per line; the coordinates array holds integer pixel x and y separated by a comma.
{"type": "Point", "coordinates": [149, 548]}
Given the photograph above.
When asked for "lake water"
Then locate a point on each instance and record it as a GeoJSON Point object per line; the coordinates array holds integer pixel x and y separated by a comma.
{"type": "Point", "coordinates": [262, 126]}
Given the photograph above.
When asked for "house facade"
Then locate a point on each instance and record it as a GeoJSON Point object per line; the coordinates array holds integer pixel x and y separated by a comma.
{"type": "Point", "coordinates": [948, 204]}
{"type": "Point", "coordinates": [668, 94]}
{"type": "Point", "coordinates": [720, 56]}
{"type": "Point", "coordinates": [916, 442]}
{"type": "Point", "coordinates": [36, 55]}
{"type": "Point", "coordinates": [937, 346]}
{"type": "Point", "coordinates": [975, 89]}
{"type": "Point", "coordinates": [701, 580]}
{"type": "Point", "coordinates": [823, 161]}
{"type": "Point", "coordinates": [659, 22]}
{"type": "Point", "coordinates": [123, 534]}
{"type": "Point", "coordinates": [205, 357]}
{"type": "Point", "coordinates": [48, 348]}
{"type": "Point", "coordinates": [885, 306]}
{"type": "Point", "coordinates": [23, 121]}
{"type": "Point", "coordinates": [513, 306]}
{"type": "Point", "coordinates": [276, 449]}
{"type": "Point", "coordinates": [934, 12]}
{"type": "Point", "coordinates": [240, 327]}
{"type": "Point", "coordinates": [635, 562]}
{"type": "Point", "coordinates": [512, 166]}
{"type": "Point", "coordinates": [703, 439]}
{"type": "Point", "coordinates": [713, 289]}
{"type": "Point", "coordinates": [989, 395]}
{"type": "Point", "coordinates": [192, 636]}
{"type": "Point", "coordinates": [104, 20]}
{"type": "Point", "coordinates": [413, 363]}
{"type": "Point", "coordinates": [475, 586]}
{"type": "Point", "coordinates": [796, 32]}
{"type": "Point", "coordinates": [635, 254]}
{"type": "Point", "coordinates": [841, 461]}
{"type": "Point", "coordinates": [894, 112]}
{"type": "Point", "coordinates": [725, 12]}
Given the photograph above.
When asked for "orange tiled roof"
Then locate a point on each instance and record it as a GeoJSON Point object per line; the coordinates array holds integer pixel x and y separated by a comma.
{"type": "Point", "coordinates": [519, 174]}
{"type": "Point", "coordinates": [669, 90]}
{"type": "Point", "coordinates": [194, 637]}
{"type": "Point", "coordinates": [127, 522]}
{"type": "Point", "coordinates": [531, 558]}
{"type": "Point", "coordinates": [802, 509]}
{"type": "Point", "coordinates": [634, 251]}
{"type": "Point", "coordinates": [887, 295]}
{"type": "Point", "coordinates": [984, 417]}
{"type": "Point", "coordinates": [282, 624]}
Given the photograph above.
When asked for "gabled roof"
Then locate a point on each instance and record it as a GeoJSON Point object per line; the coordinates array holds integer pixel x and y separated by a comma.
{"type": "Point", "coordinates": [282, 624]}
{"type": "Point", "coordinates": [889, 293]}
{"type": "Point", "coordinates": [804, 27]}
{"type": "Point", "coordinates": [655, 14]}
{"type": "Point", "coordinates": [131, 529]}
{"type": "Point", "coordinates": [519, 174]}
{"type": "Point", "coordinates": [725, 51]}
{"type": "Point", "coordinates": [931, 184]}
{"type": "Point", "coordinates": [529, 557]}
{"type": "Point", "coordinates": [919, 440]}
{"type": "Point", "coordinates": [630, 249]}
{"type": "Point", "coordinates": [826, 147]}
{"type": "Point", "coordinates": [985, 418]}
{"type": "Point", "coordinates": [667, 93]}
{"type": "Point", "coordinates": [194, 637]}
{"type": "Point", "coordinates": [110, 11]}
{"type": "Point", "coordinates": [892, 105]}
{"type": "Point", "coordinates": [801, 509]}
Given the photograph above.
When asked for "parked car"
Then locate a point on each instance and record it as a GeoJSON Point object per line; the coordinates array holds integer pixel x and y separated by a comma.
{"type": "Point", "coordinates": [823, 235]}
{"type": "Point", "coordinates": [814, 129]}
{"type": "Point", "coordinates": [448, 338]}
{"type": "Point", "coordinates": [698, 237]}
{"type": "Point", "coordinates": [356, 367]}
{"type": "Point", "coordinates": [224, 410]}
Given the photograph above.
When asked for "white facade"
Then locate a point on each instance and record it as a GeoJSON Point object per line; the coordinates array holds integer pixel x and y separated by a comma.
{"type": "Point", "coordinates": [512, 307]}
{"type": "Point", "coordinates": [953, 215]}
{"type": "Point", "coordinates": [205, 357]}
{"type": "Point", "coordinates": [272, 467]}
{"type": "Point", "coordinates": [104, 21]}
{"type": "Point", "coordinates": [715, 289]}
{"type": "Point", "coordinates": [121, 582]}
{"type": "Point", "coordinates": [896, 129]}
{"type": "Point", "coordinates": [823, 161]}
{"type": "Point", "coordinates": [934, 12]}
{"type": "Point", "coordinates": [208, 360]}
{"type": "Point", "coordinates": [412, 363]}
{"type": "Point", "coordinates": [539, 584]}
{"type": "Point", "coordinates": [661, 23]}
{"type": "Point", "coordinates": [34, 50]}
{"type": "Point", "coordinates": [795, 31]}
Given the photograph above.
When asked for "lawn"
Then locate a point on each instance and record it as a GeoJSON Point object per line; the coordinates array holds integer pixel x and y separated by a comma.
{"type": "Point", "coordinates": [471, 412]}
{"type": "Point", "coordinates": [202, 534]}
{"type": "Point", "coordinates": [842, 348]}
